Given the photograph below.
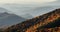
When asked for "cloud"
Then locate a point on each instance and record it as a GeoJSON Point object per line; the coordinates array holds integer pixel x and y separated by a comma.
{"type": "Point", "coordinates": [24, 1]}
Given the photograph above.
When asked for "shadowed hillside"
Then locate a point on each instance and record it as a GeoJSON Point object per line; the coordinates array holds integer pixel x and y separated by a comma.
{"type": "Point", "coordinates": [7, 19]}
{"type": "Point", "coordinates": [44, 23]}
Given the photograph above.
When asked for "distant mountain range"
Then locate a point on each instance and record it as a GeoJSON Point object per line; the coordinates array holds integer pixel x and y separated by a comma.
{"type": "Point", "coordinates": [49, 22]}
{"type": "Point", "coordinates": [27, 16]}
{"type": "Point", "coordinates": [3, 10]}
{"type": "Point", "coordinates": [7, 19]}
{"type": "Point", "coordinates": [42, 10]}
{"type": "Point", "coordinates": [29, 9]}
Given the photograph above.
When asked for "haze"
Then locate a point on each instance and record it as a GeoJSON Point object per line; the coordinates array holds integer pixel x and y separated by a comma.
{"type": "Point", "coordinates": [24, 1]}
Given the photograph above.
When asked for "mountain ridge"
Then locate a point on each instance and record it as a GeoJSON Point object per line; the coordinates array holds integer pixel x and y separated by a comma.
{"type": "Point", "coordinates": [7, 19]}
{"type": "Point", "coordinates": [31, 25]}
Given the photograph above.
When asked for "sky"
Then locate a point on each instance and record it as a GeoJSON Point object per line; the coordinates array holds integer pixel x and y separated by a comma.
{"type": "Point", "coordinates": [26, 6]}
{"type": "Point", "coordinates": [24, 1]}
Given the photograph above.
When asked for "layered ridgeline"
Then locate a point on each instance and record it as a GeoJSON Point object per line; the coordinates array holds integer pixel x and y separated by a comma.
{"type": "Point", "coordinates": [44, 23]}
{"type": "Point", "coordinates": [7, 19]}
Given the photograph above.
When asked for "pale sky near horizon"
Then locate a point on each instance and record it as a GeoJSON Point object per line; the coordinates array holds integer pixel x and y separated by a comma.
{"type": "Point", "coordinates": [24, 1]}
{"type": "Point", "coordinates": [18, 9]}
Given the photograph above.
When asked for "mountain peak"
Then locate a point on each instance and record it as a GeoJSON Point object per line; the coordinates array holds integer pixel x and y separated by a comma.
{"type": "Point", "coordinates": [4, 14]}
{"type": "Point", "coordinates": [7, 19]}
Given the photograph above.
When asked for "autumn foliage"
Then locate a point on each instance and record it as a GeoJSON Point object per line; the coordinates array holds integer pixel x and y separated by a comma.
{"type": "Point", "coordinates": [49, 22]}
